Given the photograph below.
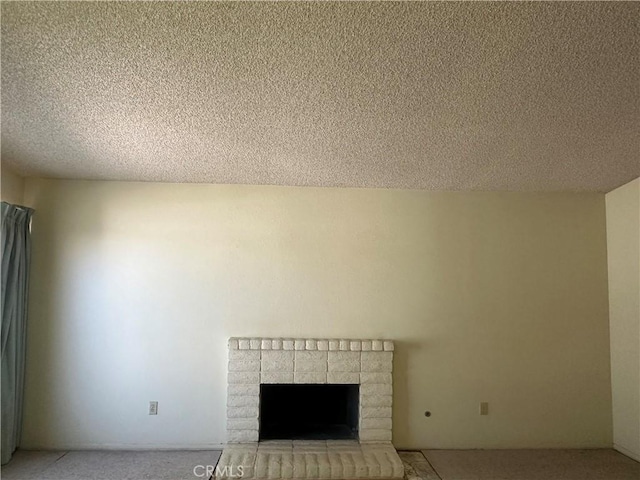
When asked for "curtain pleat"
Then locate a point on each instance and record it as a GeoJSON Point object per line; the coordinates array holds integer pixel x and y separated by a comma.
{"type": "Point", "coordinates": [16, 253]}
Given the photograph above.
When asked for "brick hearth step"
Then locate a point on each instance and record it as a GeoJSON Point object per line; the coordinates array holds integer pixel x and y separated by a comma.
{"type": "Point", "coordinates": [309, 459]}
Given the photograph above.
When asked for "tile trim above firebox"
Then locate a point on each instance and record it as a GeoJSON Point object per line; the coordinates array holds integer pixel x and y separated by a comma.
{"type": "Point", "coordinates": [253, 361]}
{"type": "Point", "coordinates": [310, 344]}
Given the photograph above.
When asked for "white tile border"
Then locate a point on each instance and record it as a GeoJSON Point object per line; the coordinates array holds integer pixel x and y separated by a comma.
{"type": "Point", "coordinates": [252, 361]}
{"type": "Point", "coordinates": [241, 343]}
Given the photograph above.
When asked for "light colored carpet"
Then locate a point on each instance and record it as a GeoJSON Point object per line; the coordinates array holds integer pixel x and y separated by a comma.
{"type": "Point", "coordinates": [27, 465]}
{"type": "Point", "coordinates": [447, 465]}
{"type": "Point", "coordinates": [109, 465]}
{"type": "Point", "coordinates": [604, 464]}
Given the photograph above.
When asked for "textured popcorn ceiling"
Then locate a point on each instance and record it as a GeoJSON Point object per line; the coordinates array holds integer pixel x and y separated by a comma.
{"type": "Point", "coordinates": [441, 96]}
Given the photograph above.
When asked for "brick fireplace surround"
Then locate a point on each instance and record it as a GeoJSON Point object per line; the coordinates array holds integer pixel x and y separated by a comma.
{"type": "Point", "coordinates": [367, 363]}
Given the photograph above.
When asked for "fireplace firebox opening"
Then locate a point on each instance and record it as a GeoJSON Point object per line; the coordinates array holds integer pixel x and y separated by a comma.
{"type": "Point", "coordinates": [309, 411]}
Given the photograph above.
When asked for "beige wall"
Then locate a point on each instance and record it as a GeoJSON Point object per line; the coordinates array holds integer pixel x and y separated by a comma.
{"type": "Point", "coordinates": [490, 297]}
{"type": "Point", "coordinates": [12, 188]}
{"type": "Point", "coordinates": [623, 244]}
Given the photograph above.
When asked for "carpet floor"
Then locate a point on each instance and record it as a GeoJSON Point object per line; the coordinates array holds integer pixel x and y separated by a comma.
{"type": "Point", "coordinates": [604, 464]}
{"type": "Point", "coordinates": [110, 465]}
{"type": "Point", "coordinates": [600, 464]}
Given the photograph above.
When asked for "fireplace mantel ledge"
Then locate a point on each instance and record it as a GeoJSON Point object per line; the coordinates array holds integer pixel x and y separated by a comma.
{"type": "Point", "coordinates": [311, 344]}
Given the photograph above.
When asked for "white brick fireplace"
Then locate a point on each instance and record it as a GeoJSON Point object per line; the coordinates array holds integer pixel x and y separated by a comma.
{"type": "Point", "coordinates": [367, 363]}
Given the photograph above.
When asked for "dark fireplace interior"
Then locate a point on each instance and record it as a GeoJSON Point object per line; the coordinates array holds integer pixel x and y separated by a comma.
{"type": "Point", "coordinates": [308, 411]}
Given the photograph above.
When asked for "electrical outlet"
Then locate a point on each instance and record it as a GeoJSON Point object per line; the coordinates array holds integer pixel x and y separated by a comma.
{"type": "Point", "coordinates": [153, 408]}
{"type": "Point", "coordinates": [484, 408]}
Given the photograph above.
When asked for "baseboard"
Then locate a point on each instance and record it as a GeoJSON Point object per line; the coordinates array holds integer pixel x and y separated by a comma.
{"type": "Point", "coordinates": [627, 452]}
{"type": "Point", "coordinates": [125, 446]}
